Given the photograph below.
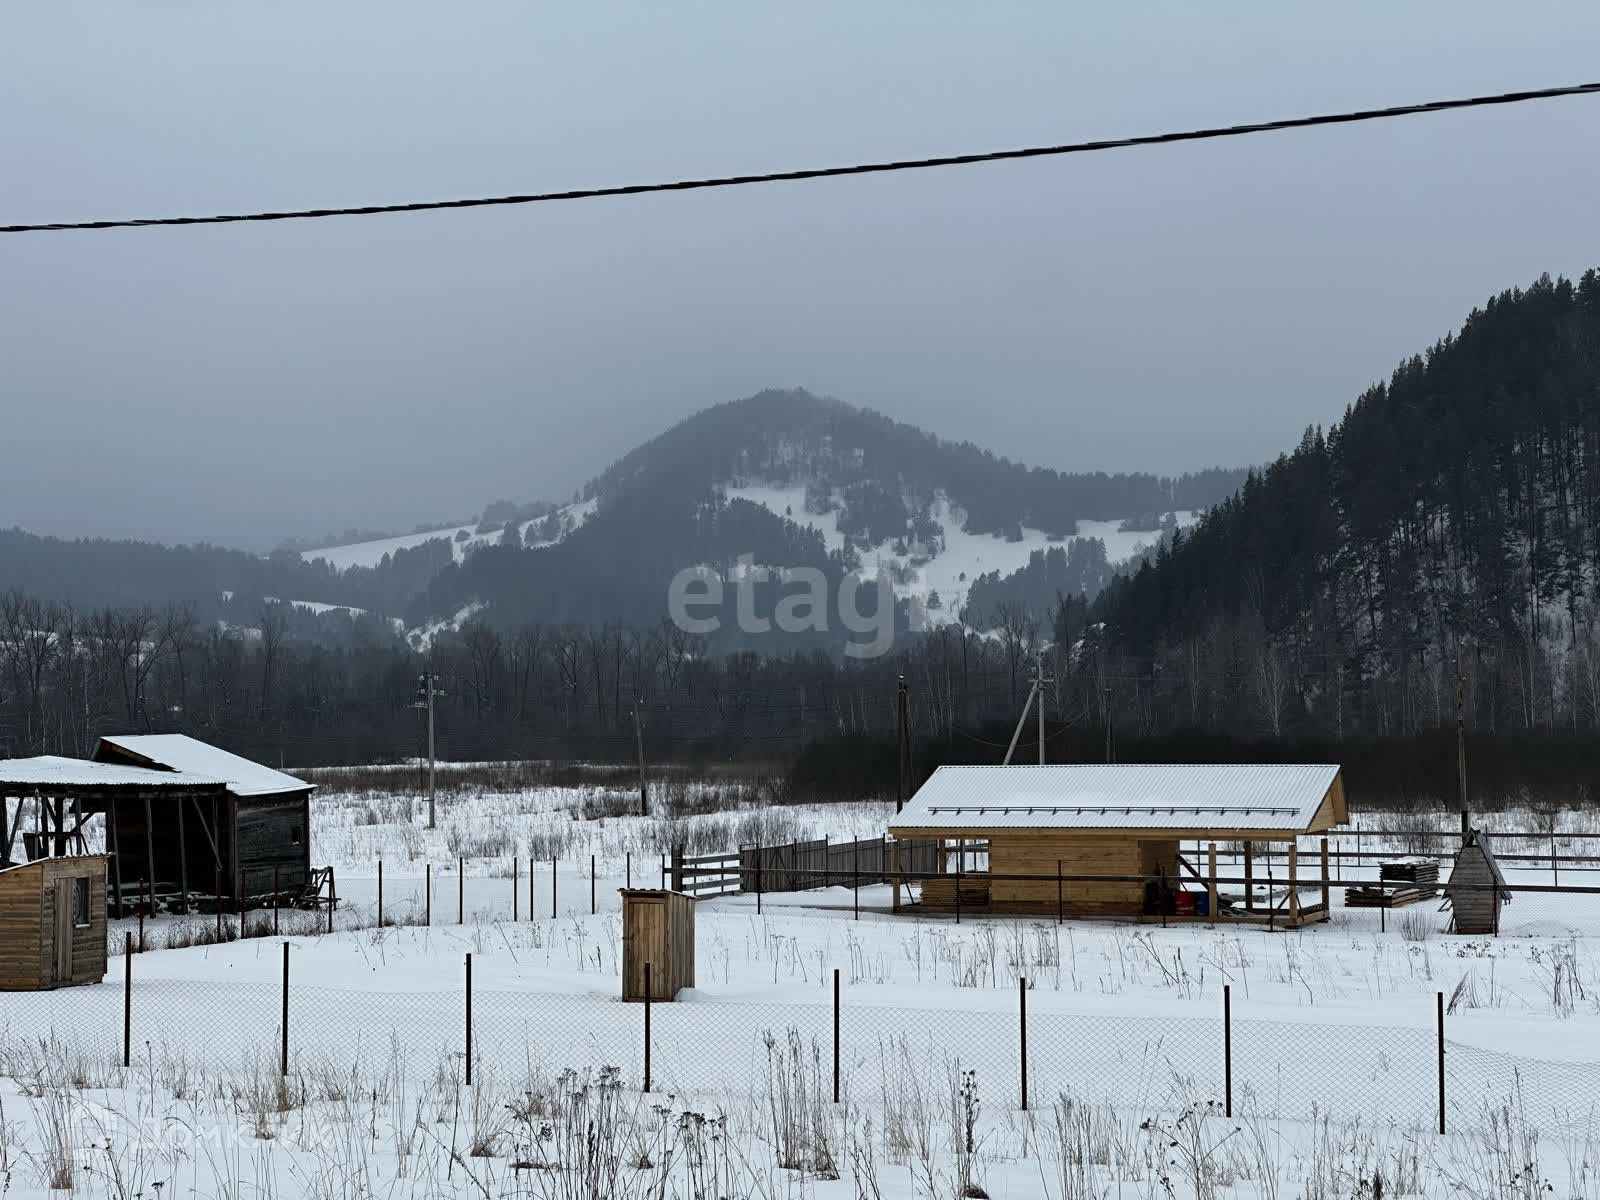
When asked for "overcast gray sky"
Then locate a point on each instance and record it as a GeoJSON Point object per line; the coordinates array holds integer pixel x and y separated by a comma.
{"type": "Point", "coordinates": [1158, 309]}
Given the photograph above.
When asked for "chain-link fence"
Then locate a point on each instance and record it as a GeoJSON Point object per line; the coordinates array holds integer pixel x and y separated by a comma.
{"type": "Point", "coordinates": [721, 1053]}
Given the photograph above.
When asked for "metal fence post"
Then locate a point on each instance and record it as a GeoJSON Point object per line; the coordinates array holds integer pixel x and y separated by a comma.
{"type": "Point", "coordinates": [427, 893]}
{"type": "Point", "coordinates": [1227, 1051]}
{"type": "Point", "coordinates": [284, 1056]}
{"type": "Point", "coordinates": [593, 902]}
{"type": "Point", "coordinates": [647, 1027]}
{"type": "Point", "coordinates": [380, 893]}
{"type": "Point", "coordinates": [1022, 1013]}
{"type": "Point", "coordinates": [127, 1003]}
{"type": "Point", "coordinates": [277, 898]}
{"type": "Point", "coordinates": [836, 1035]}
{"type": "Point", "coordinates": [516, 885]}
{"type": "Point", "coordinates": [1439, 1001]}
{"type": "Point", "coordinates": [217, 895]}
{"type": "Point", "coordinates": [469, 1018]}
{"type": "Point", "coordinates": [461, 891]}
{"type": "Point", "coordinates": [144, 891]}
{"type": "Point", "coordinates": [555, 907]}
{"type": "Point", "coordinates": [628, 876]}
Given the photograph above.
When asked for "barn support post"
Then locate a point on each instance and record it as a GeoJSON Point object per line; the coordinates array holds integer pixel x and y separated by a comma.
{"type": "Point", "coordinates": [1022, 1033]}
{"type": "Point", "coordinates": [218, 896]}
{"type": "Point", "coordinates": [1249, 877]}
{"type": "Point", "coordinates": [283, 1058]}
{"type": "Point", "coordinates": [183, 860]}
{"type": "Point", "coordinates": [149, 841]}
{"type": "Point", "coordinates": [1211, 883]}
{"type": "Point", "coordinates": [959, 857]}
{"type": "Point", "coordinates": [1227, 1051]}
{"type": "Point", "coordinates": [127, 1003]}
{"type": "Point", "coordinates": [836, 1035]}
{"type": "Point", "coordinates": [1061, 897]}
{"type": "Point", "coordinates": [144, 892]}
{"type": "Point", "coordinates": [469, 1019]}
{"type": "Point", "coordinates": [647, 991]}
{"type": "Point", "coordinates": [1439, 1005]}
{"type": "Point", "coordinates": [333, 897]}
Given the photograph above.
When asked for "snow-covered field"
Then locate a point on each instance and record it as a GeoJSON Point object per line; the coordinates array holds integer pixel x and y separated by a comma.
{"type": "Point", "coordinates": [1334, 1041]}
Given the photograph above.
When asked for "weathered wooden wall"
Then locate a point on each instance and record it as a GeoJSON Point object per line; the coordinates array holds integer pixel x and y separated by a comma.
{"type": "Point", "coordinates": [273, 832]}
{"type": "Point", "coordinates": [28, 898]}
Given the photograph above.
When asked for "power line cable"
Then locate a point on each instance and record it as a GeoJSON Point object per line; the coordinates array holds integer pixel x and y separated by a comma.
{"type": "Point", "coordinates": [867, 168]}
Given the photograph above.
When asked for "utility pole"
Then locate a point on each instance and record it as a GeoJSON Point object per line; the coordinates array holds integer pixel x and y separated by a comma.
{"type": "Point", "coordinates": [1461, 742]}
{"type": "Point", "coordinates": [638, 737]}
{"type": "Point", "coordinates": [902, 743]}
{"type": "Point", "coordinates": [427, 689]}
{"type": "Point", "coordinates": [1039, 681]}
{"type": "Point", "coordinates": [1105, 693]}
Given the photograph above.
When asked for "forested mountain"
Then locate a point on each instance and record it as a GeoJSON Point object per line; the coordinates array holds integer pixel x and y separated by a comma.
{"type": "Point", "coordinates": [1449, 522]}
{"type": "Point", "coordinates": [788, 479]}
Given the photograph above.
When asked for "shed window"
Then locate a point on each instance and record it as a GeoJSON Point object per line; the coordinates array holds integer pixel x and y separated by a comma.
{"type": "Point", "coordinates": [80, 903]}
{"type": "Point", "coordinates": [296, 835]}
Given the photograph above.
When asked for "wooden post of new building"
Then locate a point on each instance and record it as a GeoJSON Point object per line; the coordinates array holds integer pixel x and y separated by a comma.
{"type": "Point", "coordinates": [1211, 882]}
{"type": "Point", "coordinates": [1294, 882]}
{"type": "Point", "coordinates": [1326, 897]}
{"type": "Point", "coordinates": [1249, 877]}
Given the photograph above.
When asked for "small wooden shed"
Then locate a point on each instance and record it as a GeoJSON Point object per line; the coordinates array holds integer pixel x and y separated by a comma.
{"type": "Point", "coordinates": [53, 923]}
{"type": "Point", "coordinates": [1118, 820]}
{"type": "Point", "coordinates": [657, 928]}
{"type": "Point", "coordinates": [1476, 888]}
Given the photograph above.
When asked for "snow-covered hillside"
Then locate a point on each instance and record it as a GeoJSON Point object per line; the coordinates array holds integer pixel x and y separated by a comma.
{"type": "Point", "coordinates": [965, 555]}
{"type": "Point", "coordinates": [462, 538]}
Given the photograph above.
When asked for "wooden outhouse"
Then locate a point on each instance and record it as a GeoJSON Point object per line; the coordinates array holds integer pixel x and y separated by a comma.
{"type": "Point", "coordinates": [658, 929]}
{"type": "Point", "coordinates": [53, 923]}
{"type": "Point", "coordinates": [1476, 888]}
{"type": "Point", "coordinates": [1051, 823]}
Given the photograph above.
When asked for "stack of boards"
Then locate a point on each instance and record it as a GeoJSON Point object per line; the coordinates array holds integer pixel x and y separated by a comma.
{"type": "Point", "coordinates": [1402, 881]}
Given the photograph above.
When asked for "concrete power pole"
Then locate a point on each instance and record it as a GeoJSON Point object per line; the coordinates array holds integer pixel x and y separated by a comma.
{"type": "Point", "coordinates": [427, 689]}
{"type": "Point", "coordinates": [1040, 679]}
{"type": "Point", "coordinates": [638, 737]}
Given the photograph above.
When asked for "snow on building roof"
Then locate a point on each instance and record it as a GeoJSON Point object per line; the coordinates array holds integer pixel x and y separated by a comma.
{"type": "Point", "coordinates": [1265, 797]}
{"type": "Point", "coordinates": [188, 755]}
{"type": "Point", "coordinates": [50, 770]}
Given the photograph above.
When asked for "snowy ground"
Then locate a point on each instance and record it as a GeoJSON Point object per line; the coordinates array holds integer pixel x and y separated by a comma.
{"type": "Point", "coordinates": [1334, 1039]}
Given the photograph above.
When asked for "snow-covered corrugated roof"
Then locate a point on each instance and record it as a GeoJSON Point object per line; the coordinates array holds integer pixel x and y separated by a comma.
{"type": "Point", "coordinates": [52, 770]}
{"type": "Point", "coordinates": [1265, 797]}
{"type": "Point", "coordinates": [183, 753]}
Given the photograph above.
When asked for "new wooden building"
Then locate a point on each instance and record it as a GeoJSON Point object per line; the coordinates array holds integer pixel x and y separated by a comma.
{"type": "Point", "coordinates": [1051, 822]}
{"type": "Point", "coordinates": [53, 922]}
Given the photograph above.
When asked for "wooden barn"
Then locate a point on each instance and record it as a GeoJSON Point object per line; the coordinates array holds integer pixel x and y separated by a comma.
{"type": "Point", "coordinates": [53, 922]}
{"type": "Point", "coordinates": [249, 837]}
{"type": "Point", "coordinates": [1476, 888]}
{"type": "Point", "coordinates": [1050, 821]}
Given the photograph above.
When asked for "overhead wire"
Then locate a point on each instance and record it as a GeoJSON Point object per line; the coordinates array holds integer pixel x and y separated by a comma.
{"type": "Point", "coordinates": [882, 167]}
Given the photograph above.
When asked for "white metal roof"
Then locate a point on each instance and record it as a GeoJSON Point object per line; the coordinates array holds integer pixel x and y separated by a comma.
{"type": "Point", "coordinates": [1268, 797]}
{"type": "Point", "coordinates": [183, 753]}
{"type": "Point", "coordinates": [52, 770]}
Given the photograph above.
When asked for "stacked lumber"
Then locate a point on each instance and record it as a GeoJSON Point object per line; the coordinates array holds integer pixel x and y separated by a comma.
{"type": "Point", "coordinates": [940, 893]}
{"type": "Point", "coordinates": [1401, 881]}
